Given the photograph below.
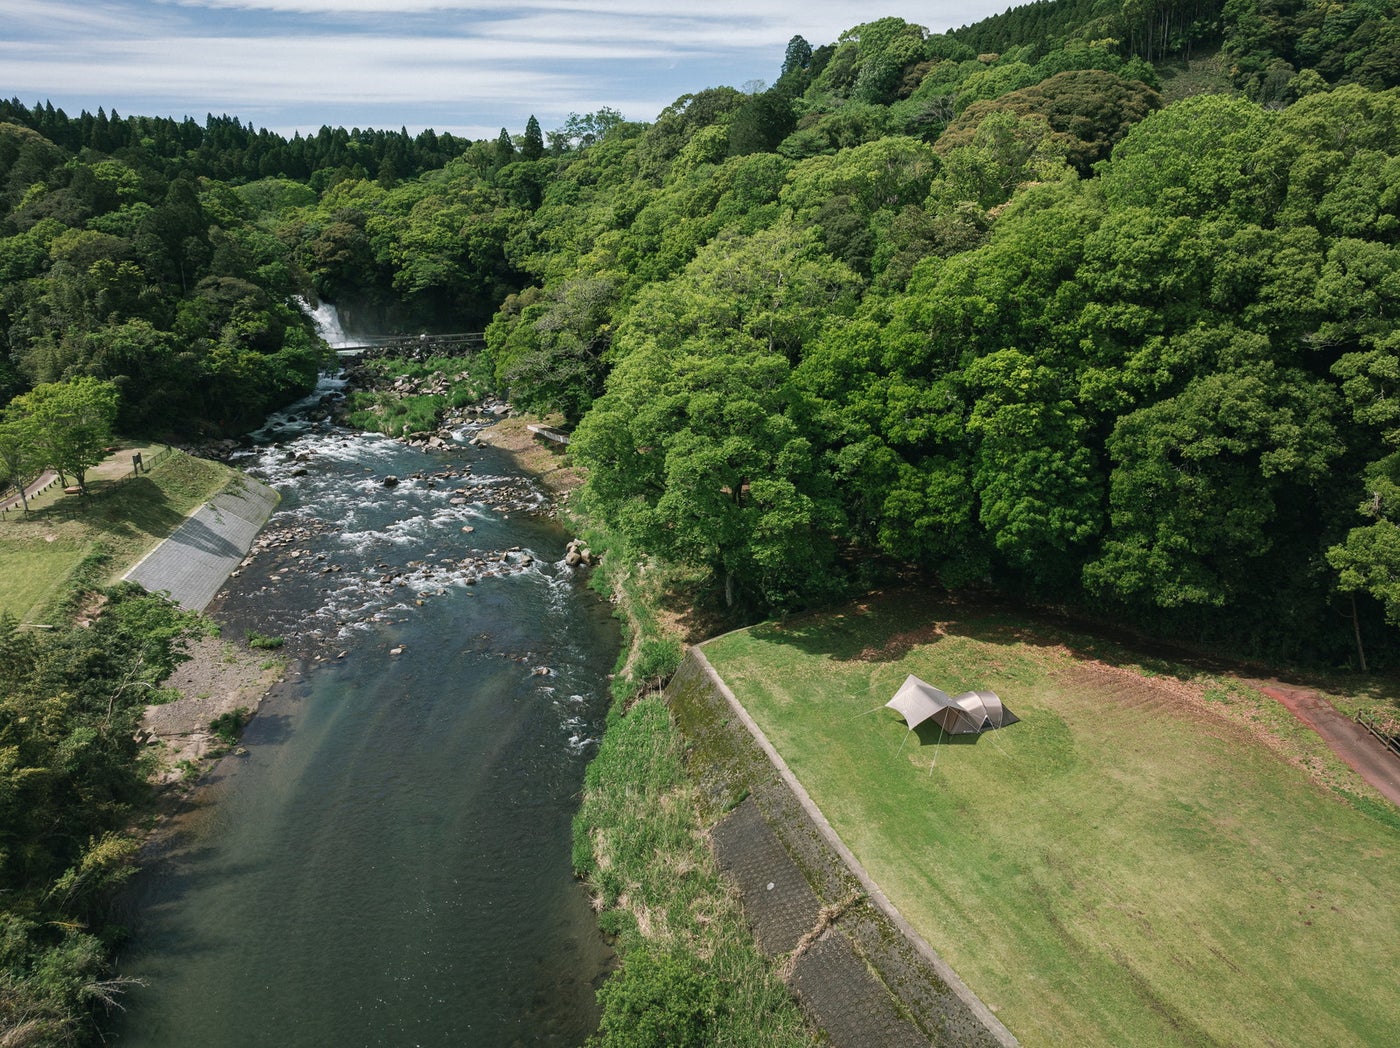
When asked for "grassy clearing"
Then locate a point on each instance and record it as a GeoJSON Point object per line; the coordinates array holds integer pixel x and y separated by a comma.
{"type": "Point", "coordinates": [1129, 865]}
{"type": "Point", "coordinates": [67, 541]}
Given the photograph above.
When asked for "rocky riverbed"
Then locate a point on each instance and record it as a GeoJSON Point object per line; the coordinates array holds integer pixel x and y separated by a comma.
{"type": "Point", "coordinates": [223, 677]}
{"type": "Point", "coordinates": [220, 678]}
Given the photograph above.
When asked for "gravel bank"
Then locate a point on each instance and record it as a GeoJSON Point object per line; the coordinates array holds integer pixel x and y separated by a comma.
{"type": "Point", "coordinates": [219, 678]}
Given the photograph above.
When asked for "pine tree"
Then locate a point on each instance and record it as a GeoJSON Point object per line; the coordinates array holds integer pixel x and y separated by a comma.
{"type": "Point", "coordinates": [505, 149]}
{"type": "Point", "coordinates": [798, 55]}
{"type": "Point", "coordinates": [532, 148]}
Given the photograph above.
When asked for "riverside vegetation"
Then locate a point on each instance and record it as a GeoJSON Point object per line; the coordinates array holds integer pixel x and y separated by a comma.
{"type": "Point", "coordinates": [1086, 304]}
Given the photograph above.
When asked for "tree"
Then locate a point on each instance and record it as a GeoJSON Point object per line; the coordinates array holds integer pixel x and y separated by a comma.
{"type": "Point", "coordinates": [1204, 480]}
{"type": "Point", "coordinates": [532, 146]}
{"type": "Point", "coordinates": [797, 56]}
{"type": "Point", "coordinates": [72, 423]}
{"type": "Point", "coordinates": [19, 456]}
{"type": "Point", "coordinates": [505, 149]}
{"type": "Point", "coordinates": [698, 455]}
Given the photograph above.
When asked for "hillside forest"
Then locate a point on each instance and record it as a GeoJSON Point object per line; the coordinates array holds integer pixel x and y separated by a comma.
{"type": "Point", "coordinates": [994, 304]}
{"type": "Point", "coordinates": [1092, 304]}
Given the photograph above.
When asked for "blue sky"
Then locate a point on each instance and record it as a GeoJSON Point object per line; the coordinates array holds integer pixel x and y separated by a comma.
{"type": "Point", "coordinates": [455, 65]}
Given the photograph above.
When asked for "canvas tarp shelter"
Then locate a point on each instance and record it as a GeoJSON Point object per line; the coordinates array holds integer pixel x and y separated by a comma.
{"type": "Point", "coordinates": [965, 714]}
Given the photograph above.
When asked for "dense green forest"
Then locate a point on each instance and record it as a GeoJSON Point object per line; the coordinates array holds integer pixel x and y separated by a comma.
{"type": "Point", "coordinates": [1007, 316]}
{"type": "Point", "coordinates": [1010, 307]}
{"type": "Point", "coordinates": [72, 781]}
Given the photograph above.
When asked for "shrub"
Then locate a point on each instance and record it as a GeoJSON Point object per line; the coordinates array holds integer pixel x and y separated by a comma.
{"type": "Point", "coordinates": [659, 998]}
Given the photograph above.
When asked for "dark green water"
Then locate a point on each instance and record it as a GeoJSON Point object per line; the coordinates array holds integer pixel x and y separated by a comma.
{"type": "Point", "coordinates": [389, 863]}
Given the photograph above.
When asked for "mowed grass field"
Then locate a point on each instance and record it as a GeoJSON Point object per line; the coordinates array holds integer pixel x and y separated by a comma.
{"type": "Point", "coordinates": [1129, 865]}
{"type": "Point", "coordinates": [40, 552]}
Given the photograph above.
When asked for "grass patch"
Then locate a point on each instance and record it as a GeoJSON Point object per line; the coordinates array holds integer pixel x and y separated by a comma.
{"type": "Point", "coordinates": [396, 412]}
{"type": "Point", "coordinates": [639, 842]}
{"type": "Point", "coordinates": [1128, 865]}
{"type": "Point", "coordinates": [68, 541]}
{"type": "Point", "coordinates": [264, 642]}
{"type": "Point", "coordinates": [228, 726]}
{"type": "Point", "coordinates": [691, 972]}
{"type": "Point", "coordinates": [32, 568]}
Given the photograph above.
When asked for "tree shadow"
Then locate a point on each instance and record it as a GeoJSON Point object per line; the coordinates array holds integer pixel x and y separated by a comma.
{"type": "Point", "coordinates": [886, 625]}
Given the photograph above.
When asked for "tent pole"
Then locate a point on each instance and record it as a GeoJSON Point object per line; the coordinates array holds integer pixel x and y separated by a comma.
{"type": "Point", "coordinates": [936, 745]}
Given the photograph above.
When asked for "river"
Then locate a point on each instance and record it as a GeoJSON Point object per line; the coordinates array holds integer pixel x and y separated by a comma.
{"type": "Point", "coordinates": [388, 864]}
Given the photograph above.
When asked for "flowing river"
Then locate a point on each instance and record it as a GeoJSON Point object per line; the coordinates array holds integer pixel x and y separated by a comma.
{"type": "Point", "coordinates": [389, 862]}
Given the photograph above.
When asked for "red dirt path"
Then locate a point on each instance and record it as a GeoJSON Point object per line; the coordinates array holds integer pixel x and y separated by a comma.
{"type": "Point", "coordinates": [1347, 739]}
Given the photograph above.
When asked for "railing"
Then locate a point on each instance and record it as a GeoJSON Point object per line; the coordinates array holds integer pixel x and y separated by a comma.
{"type": "Point", "coordinates": [13, 493]}
{"type": "Point", "coordinates": [1389, 741]}
{"type": "Point", "coordinates": [72, 507]}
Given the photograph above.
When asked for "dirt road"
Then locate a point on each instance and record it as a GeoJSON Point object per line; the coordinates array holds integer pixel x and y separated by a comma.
{"type": "Point", "coordinates": [1347, 739]}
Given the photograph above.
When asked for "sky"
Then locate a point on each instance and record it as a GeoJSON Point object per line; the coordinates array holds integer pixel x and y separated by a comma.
{"type": "Point", "coordinates": [453, 65]}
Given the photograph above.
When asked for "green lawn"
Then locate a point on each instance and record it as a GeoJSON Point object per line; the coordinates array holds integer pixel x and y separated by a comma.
{"type": "Point", "coordinates": [39, 553]}
{"type": "Point", "coordinates": [1129, 865]}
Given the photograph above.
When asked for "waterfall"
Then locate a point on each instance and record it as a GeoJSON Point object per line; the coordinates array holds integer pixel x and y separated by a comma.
{"type": "Point", "coordinates": [327, 321]}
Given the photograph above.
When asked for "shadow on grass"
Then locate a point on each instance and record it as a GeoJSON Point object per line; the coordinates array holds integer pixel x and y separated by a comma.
{"type": "Point", "coordinates": [885, 626]}
{"type": "Point", "coordinates": [138, 506]}
{"type": "Point", "coordinates": [930, 734]}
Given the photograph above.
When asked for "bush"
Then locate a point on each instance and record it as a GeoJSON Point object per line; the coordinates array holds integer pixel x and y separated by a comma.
{"type": "Point", "coordinates": [658, 999]}
{"type": "Point", "coordinates": [657, 660]}
{"type": "Point", "coordinates": [228, 725]}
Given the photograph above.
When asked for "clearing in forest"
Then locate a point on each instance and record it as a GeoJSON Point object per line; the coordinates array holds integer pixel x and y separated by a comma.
{"type": "Point", "coordinates": [1151, 857]}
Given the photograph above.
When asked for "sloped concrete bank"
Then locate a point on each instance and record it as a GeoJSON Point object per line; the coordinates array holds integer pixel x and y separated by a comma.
{"type": "Point", "coordinates": [198, 557]}
{"type": "Point", "coordinates": [859, 971]}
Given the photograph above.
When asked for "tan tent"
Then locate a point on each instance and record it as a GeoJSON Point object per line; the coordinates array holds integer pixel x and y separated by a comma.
{"type": "Point", "coordinates": [965, 714]}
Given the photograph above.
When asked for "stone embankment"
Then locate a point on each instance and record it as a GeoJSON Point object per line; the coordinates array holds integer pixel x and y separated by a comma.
{"type": "Point", "coordinates": [859, 971]}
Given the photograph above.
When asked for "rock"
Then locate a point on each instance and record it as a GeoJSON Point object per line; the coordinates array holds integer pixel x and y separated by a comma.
{"type": "Point", "coordinates": [390, 481]}
{"type": "Point", "coordinates": [396, 651]}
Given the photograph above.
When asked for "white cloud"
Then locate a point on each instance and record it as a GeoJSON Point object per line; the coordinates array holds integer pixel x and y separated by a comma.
{"type": "Point", "coordinates": [300, 63]}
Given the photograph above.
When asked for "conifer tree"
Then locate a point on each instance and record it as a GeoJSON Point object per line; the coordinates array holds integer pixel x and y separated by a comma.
{"type": "Point", "coordinates": [532, 148]}
{"type": "Point", "coordinates": [505, 149]}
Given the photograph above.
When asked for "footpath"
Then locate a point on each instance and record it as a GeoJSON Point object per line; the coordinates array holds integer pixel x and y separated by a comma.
{"type": "Point", "coordinates": [1347, 739]}
{"type": "Point", "coordinates": [45, 481]}
{"type": "Point", "coordinates": [201, 553]}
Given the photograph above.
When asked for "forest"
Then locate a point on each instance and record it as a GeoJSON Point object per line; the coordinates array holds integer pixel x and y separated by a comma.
{"type": "Point", "coordinates": [1089, 305]}
{"type": "Point", "coordinates": [1020, 318]}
